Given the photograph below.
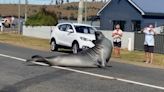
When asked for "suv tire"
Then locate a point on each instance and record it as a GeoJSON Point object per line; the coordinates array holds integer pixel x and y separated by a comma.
{"type": "Point", "coordinates": [75, 48]}
{"type": "Point", "coordinates": [53, 46]}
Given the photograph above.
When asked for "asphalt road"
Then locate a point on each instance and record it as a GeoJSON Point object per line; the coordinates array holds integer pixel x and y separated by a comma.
{"type": "Point", "coordinates": [18, 76]}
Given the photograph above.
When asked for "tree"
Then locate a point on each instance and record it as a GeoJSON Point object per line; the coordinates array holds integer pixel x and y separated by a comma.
{"type": "Point", "coordinates": [42, 18]}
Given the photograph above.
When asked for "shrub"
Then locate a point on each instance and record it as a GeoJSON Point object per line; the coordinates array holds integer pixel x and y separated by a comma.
{"type": "Point", "coordinates": [42, 18]}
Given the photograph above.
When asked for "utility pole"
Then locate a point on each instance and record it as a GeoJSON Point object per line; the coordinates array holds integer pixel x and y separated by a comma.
{"type": "Point", "coordinates": [26, 6]}
{"type": "Point", "coordinates": [85, 11]}
{"type": "Point", "coordinates": [19, 25]}
{"type": "Point", "coordinates": [80, 12]}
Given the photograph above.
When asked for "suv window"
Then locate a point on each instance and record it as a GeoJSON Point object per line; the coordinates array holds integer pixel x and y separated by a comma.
{"type": "Point", "coordinates": [65, 27]}
{"type": "Point", "coordinates": [69, 27]}
{"type": "Point", "coordinates": [84, 29]}
{"type": "Point", "coordinates": [91, 30]}
{"type": "Point", "coordinates": [62, 27]}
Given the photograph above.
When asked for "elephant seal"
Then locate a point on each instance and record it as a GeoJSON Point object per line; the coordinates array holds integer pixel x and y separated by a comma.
{"type": "Point", "coordinates": [97, 56]}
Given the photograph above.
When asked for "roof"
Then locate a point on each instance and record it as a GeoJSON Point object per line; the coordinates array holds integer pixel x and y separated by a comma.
{"type": "Point", "coordinates": [150, 6]}
{"type": "Point", "coordinates": [146, 7]}
{"type": "Point", "coordinates": [103, 7]}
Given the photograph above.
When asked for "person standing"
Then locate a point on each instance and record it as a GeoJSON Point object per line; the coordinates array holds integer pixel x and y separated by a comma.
{"type": "Point", "coordinates": [117, 34]}
{"type": "Point", "coordinates": [149, 43]}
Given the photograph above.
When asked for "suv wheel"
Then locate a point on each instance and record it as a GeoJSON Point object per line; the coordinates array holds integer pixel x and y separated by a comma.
{"type": "Point", "coordinates": [53, 46]}
{"type": "Point", "coordinates": [75, 48]}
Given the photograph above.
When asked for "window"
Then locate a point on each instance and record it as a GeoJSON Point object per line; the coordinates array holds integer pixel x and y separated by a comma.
{"type": "Point", "coordinates": [69, 27]}
{"type": "Point", "coordinates": [65, 27]}
{"type": "Point", "coordinates": [62, 27]}
{"type": "Point", "coordinates": [120, 22]}
{"type": "Point", "coordinates": [136, 25]}
{"type": "Point", "coordinates": [84, 29]}
{"type": "Point", "coordinates": [92, 31]}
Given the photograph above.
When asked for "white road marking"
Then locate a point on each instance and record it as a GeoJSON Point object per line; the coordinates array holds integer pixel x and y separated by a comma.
{"type": "Point", "coordinates": [12, 57]}
{"type": "Point", "coordinates": [92, 74]}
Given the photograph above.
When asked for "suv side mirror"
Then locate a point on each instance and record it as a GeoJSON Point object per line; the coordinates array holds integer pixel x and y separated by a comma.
{"type": "Point", "coordinates": [70, 30]}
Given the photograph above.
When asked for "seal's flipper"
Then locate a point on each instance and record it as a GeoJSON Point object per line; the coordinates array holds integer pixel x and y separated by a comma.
{"type": "Point", "coordinates": [29, 60]}
{"type": "Point", "coordinates": [33, 58]}
{"type": "Point", "coordinates": [37, 58]}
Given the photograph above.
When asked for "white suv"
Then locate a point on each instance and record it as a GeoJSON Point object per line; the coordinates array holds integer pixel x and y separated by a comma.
{"type": "Point", "coordinates": [73, 35]}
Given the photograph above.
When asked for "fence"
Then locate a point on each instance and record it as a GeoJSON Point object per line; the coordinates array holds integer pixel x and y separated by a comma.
{"type": "Point", "coordinates": [44, 32]}
{"type": "Point", "coordinates": [38, 32]}
{"type": "Point", "coordinates": [127, 39]}
{"type": "Point", "coordinates": [159, 42]}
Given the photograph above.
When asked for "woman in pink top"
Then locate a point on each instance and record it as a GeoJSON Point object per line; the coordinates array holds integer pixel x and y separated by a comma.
{"type": "Point", "coordinates": [117, 34]}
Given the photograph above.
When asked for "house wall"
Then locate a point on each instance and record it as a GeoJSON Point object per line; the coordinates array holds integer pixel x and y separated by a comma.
{"type": "Point", "coordinates": [118, 10]}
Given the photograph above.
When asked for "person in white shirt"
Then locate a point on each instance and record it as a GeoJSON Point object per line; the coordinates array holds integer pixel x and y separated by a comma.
{"type": "Point", "coordinates": [117, 34]}
{"type": "Point", "coordinates": [149, 43]}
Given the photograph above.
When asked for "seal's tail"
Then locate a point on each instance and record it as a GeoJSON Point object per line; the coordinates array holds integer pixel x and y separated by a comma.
{"type": "Point", "coordinates": [37, 58]}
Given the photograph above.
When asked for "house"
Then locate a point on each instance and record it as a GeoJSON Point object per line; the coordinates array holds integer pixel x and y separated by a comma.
{"type": "Point", "coordinates": [132, 15]}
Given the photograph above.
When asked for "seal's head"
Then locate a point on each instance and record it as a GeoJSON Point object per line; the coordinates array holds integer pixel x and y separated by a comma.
{"type": "Point", "coordinates": [99, 35]}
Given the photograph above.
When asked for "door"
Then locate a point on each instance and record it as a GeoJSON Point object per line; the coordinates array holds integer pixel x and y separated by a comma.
{"type": "Point", "coordinates": [136, 25]}
{"type": "Point", "coordinates": [120, 22]}
{"type": "Point", "coordinates": [69, 36]}
{"type": "Point", "coordinates": [61, 34]}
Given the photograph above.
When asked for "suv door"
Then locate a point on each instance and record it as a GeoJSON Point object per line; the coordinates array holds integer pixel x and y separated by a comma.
{"type": "Point", "coordinates": [66, 38]}
{"type": "Point", "coordinates": [61, 34]}
{"type": "Point", "coordinates": [69, 37]}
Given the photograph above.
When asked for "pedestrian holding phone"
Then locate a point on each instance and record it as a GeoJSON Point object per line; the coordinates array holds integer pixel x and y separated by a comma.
{"type": "Point", "coordinates": [117, 34]}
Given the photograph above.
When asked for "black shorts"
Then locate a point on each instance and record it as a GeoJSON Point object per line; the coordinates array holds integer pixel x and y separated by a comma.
{"type": "Point", "coordinates": [149, 48]}
{"type": "Point", "coordinates": [117, 44]}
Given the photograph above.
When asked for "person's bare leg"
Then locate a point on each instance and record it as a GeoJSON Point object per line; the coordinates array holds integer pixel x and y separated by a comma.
{"type": "Point", "coordinates": [147, 57]}
{"type": "Point", "coordinates": [151, 57]}
{"type": "Point", "coordinates": [119, 52]}
{"type": "Point", "coordinates": [115, 52]}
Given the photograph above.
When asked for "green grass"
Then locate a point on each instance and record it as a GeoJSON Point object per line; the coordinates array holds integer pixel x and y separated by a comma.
{"type": "Point", "coordinates": [138, 56]}
{"type": "Point", "coordinates": [24, 41]}
{"type": "Point", "coordinates": [43, 44]}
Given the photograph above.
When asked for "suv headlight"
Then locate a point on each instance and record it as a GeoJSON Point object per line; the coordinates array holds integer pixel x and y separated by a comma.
{"type": "Point", "coordinates": [84, 39]}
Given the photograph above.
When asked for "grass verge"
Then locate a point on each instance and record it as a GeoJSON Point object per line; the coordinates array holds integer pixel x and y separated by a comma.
{"type": "Point", "coordinates": [29, 42]}
{"type": "Point", "coordinates": [137, 58]}
{"type": "Point", "coordinates": [134, 57]}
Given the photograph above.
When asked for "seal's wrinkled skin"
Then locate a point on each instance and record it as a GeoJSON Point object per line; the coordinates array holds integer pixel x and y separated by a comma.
{"type": "Point", "coordinates": [97, 56]}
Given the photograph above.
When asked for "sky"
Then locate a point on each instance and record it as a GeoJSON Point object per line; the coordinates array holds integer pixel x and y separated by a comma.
{"type": "Point", "coordinates": [30, 1]}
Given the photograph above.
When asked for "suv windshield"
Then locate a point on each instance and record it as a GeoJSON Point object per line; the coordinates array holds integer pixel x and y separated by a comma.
{"type": "Point", "coordinates": [84, 29]}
